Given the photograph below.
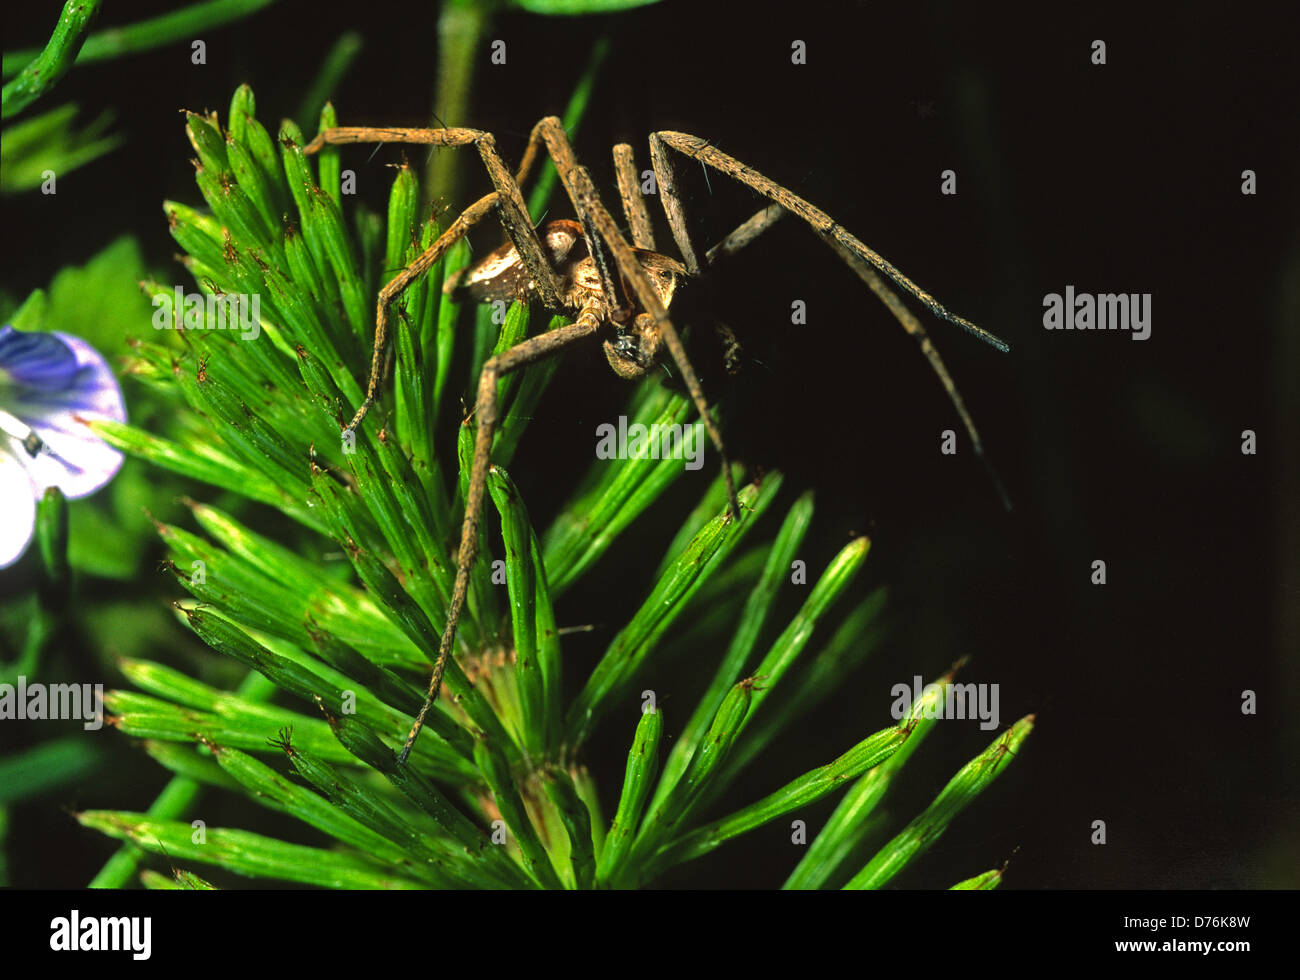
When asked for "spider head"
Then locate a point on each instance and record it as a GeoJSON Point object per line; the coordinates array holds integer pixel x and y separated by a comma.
{"type": "Point", "coordinates": [665, 274]}
{"type": "Point", "coordinates": [637, 343]}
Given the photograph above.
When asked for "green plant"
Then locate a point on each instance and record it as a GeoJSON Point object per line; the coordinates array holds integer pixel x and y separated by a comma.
{"type": "Point", "coordinates": [46, 145]}
{"type": "Point", "coordinates": [496, 793]}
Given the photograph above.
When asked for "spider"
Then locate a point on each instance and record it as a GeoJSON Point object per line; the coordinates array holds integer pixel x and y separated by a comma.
{"type": "Point", "coordinates": [617, 291]}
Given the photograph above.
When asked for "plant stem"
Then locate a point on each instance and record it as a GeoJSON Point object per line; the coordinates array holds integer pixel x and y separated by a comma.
{"type": "Point", "coordinates": [44, 70]}
{"type": "Point", "coordinates": [460, 29]}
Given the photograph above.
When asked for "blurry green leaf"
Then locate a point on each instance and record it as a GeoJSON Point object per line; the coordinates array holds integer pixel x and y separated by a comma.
{"type": "Point", "coordinates": [47, 146]}
{"type": "Point", "coordinates": [575, 7]}
{"type": "Point", "coordinates": [31, 314]}
{"type": "Point", "coordinates": [47, 766]}
{"type": "Point", "coordinates": [52, 539]}
{"type": "Point", "coordinates": [324, 86]}
{"type": "Point", "coordinates": [101, 301]}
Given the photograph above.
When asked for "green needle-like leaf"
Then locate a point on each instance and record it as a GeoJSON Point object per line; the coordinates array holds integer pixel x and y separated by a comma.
{"type": "Point", "coordinates": [759, 604]}
{"type": "Point", "coordinates": [662, 821]}
{"type": "Point", "coordinates": [180, 881]}
{"type": "Point", "coordinates": [849, 824]}
{"type": "Point", "coordinates": [666, 602]}
{"type": "Point", "coordinates": [985, 882]}
{"type": "Point", "coordinates": [843, 568]}
{"type": "Point", "coordinates": [970, 781]}
{"type": "Point", "coordinates": [615, 495]}
{"type": "Point", "coordinates": [223, 472]}
{"type": "Point", "coordinates": [270, 788]}
{"type": "Point", "coordinates": [808, 788]}
{"type": "Point", "coordinates": [525, 584]}
{"type": "Point", "coordinates": [416, 835]}
{"type": "Point", "coordinates": [576, 819]}
{"type": "Point", "coordinates": [642, 767]}
{"type": "Point", "coordinates": [511, 804]}
{"type": "Point", "coordinates": [575, 7]}
{"type": "Point", "coordinates": [243, 852]}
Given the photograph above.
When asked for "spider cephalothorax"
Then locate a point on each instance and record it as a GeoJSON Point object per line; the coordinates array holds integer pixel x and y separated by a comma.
{"type": "Point", "coordinates": [636, 344]}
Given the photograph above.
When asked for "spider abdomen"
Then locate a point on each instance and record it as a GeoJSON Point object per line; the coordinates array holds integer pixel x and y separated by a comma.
{"type": "Point", "coordinates": [502, 274]}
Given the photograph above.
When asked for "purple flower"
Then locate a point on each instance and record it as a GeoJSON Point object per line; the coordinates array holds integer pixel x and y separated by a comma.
{"type": "Point", "coordinates": [50, 383]}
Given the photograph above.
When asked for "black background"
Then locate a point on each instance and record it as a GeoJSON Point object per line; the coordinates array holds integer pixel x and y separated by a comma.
{"type": "Point", "coordinates": [1122, 177]}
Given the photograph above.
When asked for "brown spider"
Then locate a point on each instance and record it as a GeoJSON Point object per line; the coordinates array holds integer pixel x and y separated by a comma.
{"type": "Point", "coordinates": [547, 264]}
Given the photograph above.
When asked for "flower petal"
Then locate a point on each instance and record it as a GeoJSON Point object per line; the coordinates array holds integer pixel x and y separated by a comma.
{"type": "Point", "coordinates": [36, 360]}
{"type": "Point", "coordinates": [73, 459]}
{"type": "Point", "coordinates": [17, 510]}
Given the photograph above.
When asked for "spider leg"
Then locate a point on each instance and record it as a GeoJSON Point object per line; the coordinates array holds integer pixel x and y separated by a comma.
{"type": "Point", "coordinates": [441, 136]}
{"type": "Point", "coordinates": [666, 176]}
{"type": "Point", "coordinates": [862, 260]}
{"type": "Point", "coordinates": [586, 201]}
{"type": "Point", "coordinates": [909, 322]}
{"type": "Point", "coordinates": [398, 284]}
{"type": "Point", "coordinates": [822, 223]}
{"type": "Point", "coordinates": [629, 189]}
{"type": "Point", "coordinates": [509, 202]}
{"type": "Point", "coordinates": [514, 215]}
{"type": "Point", "coordinates": [522, 354]}
{"type": "Point", "coordinates": [745, 233]}
{"type": "Point", "coordinates": [643, 237]}
{"type": "Point", "coordinates": [507, 198]}
{"type": "Point", "coordinates": [638, 217]}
